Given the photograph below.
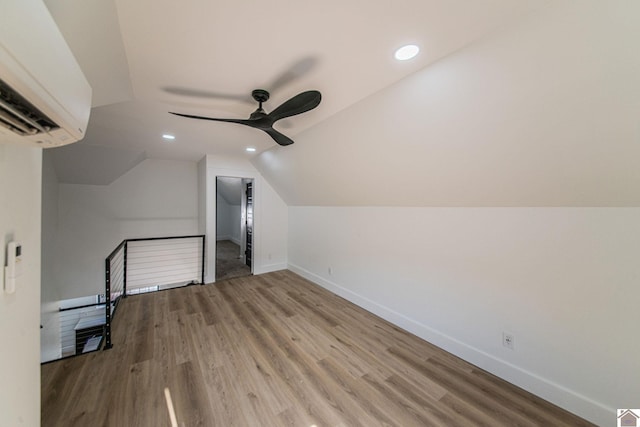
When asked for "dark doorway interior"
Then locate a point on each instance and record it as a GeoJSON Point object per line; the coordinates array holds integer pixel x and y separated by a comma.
{"type": "Point", "coordinates": [234, 227]}
{"type": "Point", "coordinates": [249, 223]}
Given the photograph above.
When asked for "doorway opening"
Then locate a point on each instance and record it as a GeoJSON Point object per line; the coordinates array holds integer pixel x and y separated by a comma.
{"type": "Point", "coordinates": [234, 227]}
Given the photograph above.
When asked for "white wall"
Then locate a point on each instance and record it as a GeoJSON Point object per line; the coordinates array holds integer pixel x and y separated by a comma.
{"type": "Point", "coordinates": [203, 188]}
{"type": "Point", "coordinates": [156, 198]}
{"type": "Point", "coordinates": [270, 215]}
{"type": "Point", "coordinates": [49, 315]}
{"type": "Point", "coordinates": [236, 219]}
{"type": "Point", "coordinates": [228, 220]}
{"type": "Point", "coordinates": [564, 281]}
{"type": "Point", "coordinates": [20, 192]}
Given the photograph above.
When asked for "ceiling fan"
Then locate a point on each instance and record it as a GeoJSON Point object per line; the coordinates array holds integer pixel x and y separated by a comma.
{"type": "Point", "coordinates": [294, 72]}
{"type": "Point", "coordinates": [259, 119]}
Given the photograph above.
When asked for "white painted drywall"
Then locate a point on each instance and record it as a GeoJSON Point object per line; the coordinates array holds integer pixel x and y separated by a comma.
{"type": "Point", "coordinates": [270, 215]}
{"type": "Point", "coordinates": [235, 215]}
{"type": "Point", "coordinates": [50, 347]}
{"type": "Point", "coordinates": [228, 220]}
{"type": "Point", "coordinates": [543, 112]}
{"type": "Point", "coordinates": [20, 192]}
{"type": "Point", "coordinates": [563, 281]}
{"type": "Point", "coordinates": [202, 197]}
{"type": "Point", "coordinates": [228, 210]}
{"type": "Point", "coordinates": [154, 199]}
{"type": "Point", "coordinates": [223, 218]}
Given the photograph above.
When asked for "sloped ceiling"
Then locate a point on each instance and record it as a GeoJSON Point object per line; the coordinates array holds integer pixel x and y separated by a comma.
{"type": "Point", "coordinates": [544, 112]}
{"type": "Point", "coordinates": [230, 189]}
{"type": "Point", "coordinates": [510, 103]}
{"type": "Point", "coordinates": [93, 164]}
{"type": "Point", "coordinates": [92, 31]}
{"type": "Point", "coordinates": [144, 58]}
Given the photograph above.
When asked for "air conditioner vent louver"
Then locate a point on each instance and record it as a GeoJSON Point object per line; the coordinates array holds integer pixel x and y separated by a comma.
{"type": "Point", "coordinates": [20, 116]}
{"type": "Point", "coordinates": [45, 99]}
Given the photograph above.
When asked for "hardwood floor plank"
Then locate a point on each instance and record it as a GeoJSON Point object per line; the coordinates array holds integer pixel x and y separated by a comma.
{"type": "Point", "coordinates": [547, 413]}
{"type": "Point", "coordinates": [251, 386]}
{"type": "Point", "coordinates": [91, 391]}
{"type": "Point", "coordinates": [474, 415]}
{"type": "Point", "coordinates": [242, 336]}
{"type": "Point", "coordinates": [370, 400]}
{"type": "Point", "coordinates": [206, 308]}
{"type": "Point", "coordinates": [224, 399]}
{"type": "Point", "coordinates": [464, 390]}
{"type": "Point", "coordinates": [385, 365]}
{"type": "Point", "coordinates": [190, 396]}
{"type": "Point", "coordinates": [505, 399]}
{"type": "Point", "coordinates": [275, 302]}
{"type": "Point", "coordinates": [59, 394]}
{"type": "Point", "coordinates": [307, 337]}
{"type": "Point", "coordinates": [293, 418]}
{"type": "Point", "coordinates": [275, 350]}
{"type": "Point", "coordinates": [316, 310]}
{"type": "Point", "coordinates": [399, 400]}
{"type": "Point", "coordinates": [278, 354]}
{"type": "Point", "coordinates": [180, 339]}
{"type": "Point", "coordinates": [437, 415]}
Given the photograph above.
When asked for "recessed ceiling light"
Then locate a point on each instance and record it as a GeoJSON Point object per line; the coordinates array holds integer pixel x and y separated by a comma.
{"type": "Point", "coordinates": [407, 52]}
{"type": "Point", "coordinates": [167, 136]}
{"type": "Point", "coordinates": [250, 149]}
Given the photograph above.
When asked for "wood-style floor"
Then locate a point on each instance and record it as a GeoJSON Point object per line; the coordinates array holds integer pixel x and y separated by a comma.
{"type": "Point", "coordinates": [275, 350]}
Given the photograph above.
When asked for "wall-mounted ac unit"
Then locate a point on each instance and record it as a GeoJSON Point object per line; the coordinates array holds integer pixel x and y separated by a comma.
{"type": "Point", "coordinates": [45, 100]}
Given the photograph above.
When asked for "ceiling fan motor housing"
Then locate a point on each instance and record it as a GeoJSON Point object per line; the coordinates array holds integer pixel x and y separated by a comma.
{"type": "Point", "coordinates": [260, 95]}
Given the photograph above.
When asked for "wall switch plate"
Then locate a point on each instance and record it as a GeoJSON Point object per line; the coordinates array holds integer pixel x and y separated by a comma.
{"type": "Point", "coordinates": [13, 269]}
{"type": "Point", "coordinates": [508, 340]}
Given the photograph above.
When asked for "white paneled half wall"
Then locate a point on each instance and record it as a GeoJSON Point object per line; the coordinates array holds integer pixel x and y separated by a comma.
{"type": "Point", "coordinates": [163, 262]}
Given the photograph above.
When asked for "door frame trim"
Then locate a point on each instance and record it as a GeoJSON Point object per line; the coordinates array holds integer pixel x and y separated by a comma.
{"type": "Point", "coordinates": [212, 236]}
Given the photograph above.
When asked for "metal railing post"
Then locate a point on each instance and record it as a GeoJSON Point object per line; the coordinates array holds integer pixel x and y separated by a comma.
{"type": "Point", "coordinates": [124, 277]}
{"type": "Point", "coordinates": [202, 272]}
{"type": "Point", "coordinates": [107, 296]}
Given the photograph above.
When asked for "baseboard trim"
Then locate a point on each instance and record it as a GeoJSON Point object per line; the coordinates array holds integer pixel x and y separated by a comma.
{"type": "Point", "coordinates": [230, 238]}
{"type": "Point", "coordinates": [270, 268]}
{"type": "Point", "coordinates": [557, 394]}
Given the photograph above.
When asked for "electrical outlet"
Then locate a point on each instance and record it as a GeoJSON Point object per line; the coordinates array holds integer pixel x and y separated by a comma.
{"type": "Point", "coordinates": [508, 340]}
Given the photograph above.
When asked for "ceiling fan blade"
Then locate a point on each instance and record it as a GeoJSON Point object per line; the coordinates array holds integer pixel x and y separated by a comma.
{"type": "Point", "coordinates": [300, 103]}
{"type": "Point", "coordinates": [241, 121]}
{"type": "Point", "coordinates": [297, 70]}
{"type": "Point", "coordinates": [278, 137]}
{"type": "Point", "coordinates": [197, 93]}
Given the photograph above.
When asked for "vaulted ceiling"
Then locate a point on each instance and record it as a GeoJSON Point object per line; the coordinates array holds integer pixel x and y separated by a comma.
{"type": "Point", "coordinates": [510, 102]}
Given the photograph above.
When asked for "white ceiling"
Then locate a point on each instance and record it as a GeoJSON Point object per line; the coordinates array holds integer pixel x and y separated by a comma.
{"type": "Point", "coordinates": [510, 102]}
{"type": "Point", "coordinates": [544, 112]}
{"type": "Point", "coordinates": [142, 57]}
